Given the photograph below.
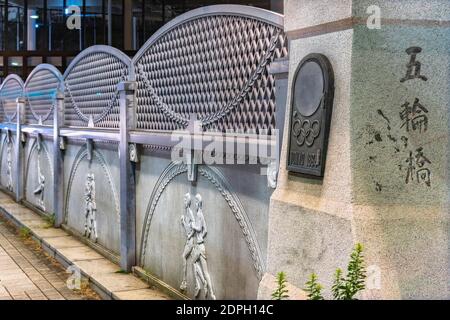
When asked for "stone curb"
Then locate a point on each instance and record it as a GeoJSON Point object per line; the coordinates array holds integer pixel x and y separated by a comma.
{"type": "Point", "coordinates": [102, 274]}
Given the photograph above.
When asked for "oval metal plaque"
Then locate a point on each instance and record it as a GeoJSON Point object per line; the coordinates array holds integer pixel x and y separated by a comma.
{"type": "Point", "coordinates": [312, 104]}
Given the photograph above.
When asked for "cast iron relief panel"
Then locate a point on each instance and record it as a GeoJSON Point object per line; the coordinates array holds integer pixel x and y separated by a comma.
{"type": "Point", "coordinates": [39, 175]}
{"type": "Point", "coordinates": [39, 191]}
{"type": "Point", "coordinates": [212, 65]}
{"type": "Point", "coordinates": [91, 95]}
{"type": "Point", "coordinates": [91, 201]}
{"type": "Point", "coordinates": [10, 90]}
{"type": "Point", "coordinates": [312, 104]}
{"type": "Point", "coordinates": [40, 89]}
{"type": "Point", "coordinates": [208, 229]}
{"type": "Point", "coordinates": [6, 164]}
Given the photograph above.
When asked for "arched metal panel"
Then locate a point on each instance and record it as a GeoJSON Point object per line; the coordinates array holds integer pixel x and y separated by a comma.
{"type": "Point", "coordinates": [91, 80]}
{"type": "Point", "coordinates": [212, 62]}
{"type": "Point", "coordinates": [40, 89]}
{"type": "Point", "coordinates": [10, 90]}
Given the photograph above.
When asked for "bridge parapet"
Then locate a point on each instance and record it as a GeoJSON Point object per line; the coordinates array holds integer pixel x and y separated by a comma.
{"type": "Point", "coordinates": [112, 148]}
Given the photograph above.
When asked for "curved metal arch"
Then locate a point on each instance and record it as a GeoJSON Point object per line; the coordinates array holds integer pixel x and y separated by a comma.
{"type": "Point", "coordinates": [172, 88]}
{"type": "Point", "coordinates": [89, 106]}
{"type": "Point", "coordinates": [56, 74]}
{"type": "Point", "coordinates": [45, 66]}
{"type": "Point", "coordinates": [98, 49]}
{"type": "Point", "coordinates": [267, 16]}
{"type": "Point", "coordinates": [8, 79]}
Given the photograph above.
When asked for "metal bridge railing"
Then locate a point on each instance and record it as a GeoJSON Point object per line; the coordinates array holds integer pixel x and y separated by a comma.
{"type": "Point", "coordinates": [224, 66]}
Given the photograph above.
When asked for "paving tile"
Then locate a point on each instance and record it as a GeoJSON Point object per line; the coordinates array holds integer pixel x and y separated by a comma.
{"type": "Point", "coordinates": [97, 267]}
{"type": "Point", "coordinates": [63, 242]}
{"type": "Point", "coordinates": [80, 253]}
{"type": "Point", "coordinates": [146, 294]}
{"type": "Point", "coordinates": [49, 232]}
{"type": "Point", "coordinates": [119, 282]}
{"type": "Point", "coordinates": [32, 278]}
{"type": "Point", "coordinates": [27, 276]}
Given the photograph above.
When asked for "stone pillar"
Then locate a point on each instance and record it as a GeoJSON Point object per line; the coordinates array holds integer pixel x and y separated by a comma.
{"type": "Point", "coordinates": [127, 177]}
{"type": "Point", "coordinates": [386, 183]}
{"type": "Point", "coordinates": [18, 150]}
{"type": "Point", "coordinates": [58, 160]}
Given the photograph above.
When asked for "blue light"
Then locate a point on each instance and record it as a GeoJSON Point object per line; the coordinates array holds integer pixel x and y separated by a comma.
{"type": "Point", "coordinates": [35, 17]}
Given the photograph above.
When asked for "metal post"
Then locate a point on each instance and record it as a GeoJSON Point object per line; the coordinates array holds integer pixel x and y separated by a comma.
{"type": "Point", "coordinates": [58, 161]}
{"type": "Point", "coordinates": [280, 69]}
{"type": "Point", "coordinates": [127, 178]}
{"type": "Point", "coordinates": [19, 170]}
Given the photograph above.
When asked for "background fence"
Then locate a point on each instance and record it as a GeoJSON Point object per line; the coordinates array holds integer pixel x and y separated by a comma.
{"type": "Point", "coordinates": [93, 147]}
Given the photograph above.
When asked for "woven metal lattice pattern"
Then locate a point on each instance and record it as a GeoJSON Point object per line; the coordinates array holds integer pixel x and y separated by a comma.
{"type": "Point", "coordinates": [91, 91]}
{"type": "Point", "coordinates": [214, 66]}
{"type": "Point", "coordinates": [11, 90]}
{"type": "Point", "coordinates": [40, 93]}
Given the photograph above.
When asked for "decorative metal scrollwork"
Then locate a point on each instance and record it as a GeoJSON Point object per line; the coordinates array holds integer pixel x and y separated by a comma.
{"type": "Point", "coordinates": [91, 81]}
{"type": "Point", "coordinates": [10, 90]}
{"type": "Point", "coordinates": [39, 91]}
{"type": "Point", "coordinates": [106, 110]}
{"type": "Point", "coordinates": [213, 65]}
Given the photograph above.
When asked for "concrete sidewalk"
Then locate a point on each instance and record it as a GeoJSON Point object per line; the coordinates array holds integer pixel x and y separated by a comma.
{"type": "Point", "coordinates": [103, 275]}
{"type": "Point", "coordinates": [26, 274]}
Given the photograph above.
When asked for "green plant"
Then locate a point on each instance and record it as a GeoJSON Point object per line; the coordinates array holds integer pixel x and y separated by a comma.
{"type": "Point", "coordinates": [344, 288]}
{"type": "Point", "coordinates": [347, 288]}
{"type": "Point", "coordinates": [50, 219]}
{"type": "Point", "coordinates": [122, 272]}
{"type": "Point", "coordinates": [281, 292]}
{"type": "Point", "coordinates": [338, 285]}
{"type": "Point", "coordinates": [25, 233]}
{"type": "Point", "coordinates": [313, 288]}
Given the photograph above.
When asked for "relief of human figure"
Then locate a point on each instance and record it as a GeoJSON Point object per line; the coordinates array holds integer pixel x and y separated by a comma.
{"type": "Point", "coordinates": [195, 230]}
{"type": "Point", "coordinates": [199, 258]}
{"type": "Point", "coordinates": [186, 222]}
{"type": "Point", "coordinates": [90, 225]}
{"type": "Point", "coordinates": [9, 165]}
{"type": "Point", "coordinates": [39, 191]}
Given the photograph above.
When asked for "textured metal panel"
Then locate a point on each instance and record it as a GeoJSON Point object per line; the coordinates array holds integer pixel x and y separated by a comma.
{"type": "Point", "coordinates": [91, 83]}
{"type": "Point", "coordinates": [10, 90]}
{"type": "Point", "coordinates": [40, 90]}
{"type": "Point", "coordinates": [211, 62]}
